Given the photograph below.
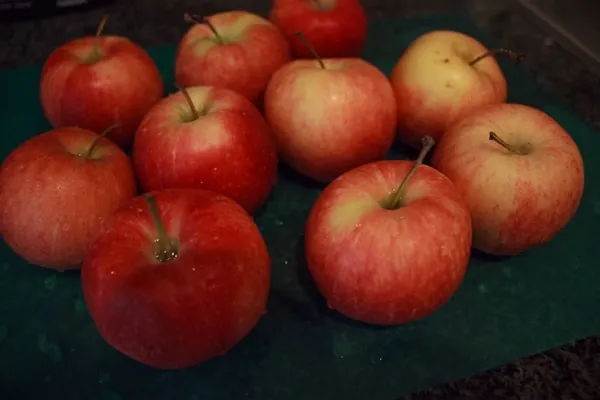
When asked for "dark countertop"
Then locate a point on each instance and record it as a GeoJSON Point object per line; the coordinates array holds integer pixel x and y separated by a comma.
{"type": "Point", "coordinates": [566, 372]}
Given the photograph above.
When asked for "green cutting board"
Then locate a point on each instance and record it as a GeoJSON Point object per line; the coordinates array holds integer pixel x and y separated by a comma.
{"type": "Point", "coordinates": [506, 309]}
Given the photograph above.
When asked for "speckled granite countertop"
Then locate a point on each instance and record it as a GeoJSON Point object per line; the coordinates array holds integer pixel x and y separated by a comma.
{"type": "Point", "coordinates": [565, 373]}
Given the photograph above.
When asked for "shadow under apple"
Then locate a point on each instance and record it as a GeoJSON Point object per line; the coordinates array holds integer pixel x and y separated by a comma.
{"type": "Point", "coordinates": [316, 311]}
{"type": "Point", "coordinates": [287, 173]}
{"type": "Point", "coordinates": [480, 256]}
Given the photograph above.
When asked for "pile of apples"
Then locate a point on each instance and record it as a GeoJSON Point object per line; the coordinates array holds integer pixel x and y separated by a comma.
{"type": "Point", "coordinates": [174, 269]}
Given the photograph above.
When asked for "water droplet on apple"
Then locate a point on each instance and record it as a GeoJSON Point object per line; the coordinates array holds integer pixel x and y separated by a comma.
{"type": "Point", "coordinates": [215, 169]}
{"type": "Point", "coordinates": [112, 272]}
{"type": "Point", "coordinates": [193, 269]}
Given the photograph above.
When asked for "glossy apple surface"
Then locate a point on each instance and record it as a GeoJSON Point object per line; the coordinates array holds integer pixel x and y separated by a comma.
{"type": "Point", "coordinates": [243, 57]}
{"type": "Point", "coordinates": [54, 196]}
{"type": "Point", "coordinates": [388, 265]}
{"type": "Point", "coordinates": [435, 85]}
{"type": "Point", "coordinates": [177, 300]}
{"type": "Point", "coordinates": [521, 196]}
{"type": "Point", "coordinates": [329, 119]}
{"type": "Point", "coordinates": [227, 147]}
{"type": "Point", "coordinates": [335, 28]}
{"type": "Point", "coordinates": [95, 88]}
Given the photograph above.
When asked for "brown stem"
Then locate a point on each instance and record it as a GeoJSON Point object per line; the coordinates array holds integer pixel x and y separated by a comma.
{"type": "Point", "coordinates": [88, 153]}
{"type": "Point", "coordinates": [516, 57]}
{"type": "Point", "coordinates": [99, 30]}
{"type": "Point", "coordinates": [310, 48]}
{"type": "Point", "coordinates": [396, 198]}
{"type": "Point", "coordinates": [494, 136]}
{"type": "Point", "coordinates": [196, 19]}
{"type": "Point", "coordinates": [189, 101]}
{"type": "Point", "coordinates": [165, 250]}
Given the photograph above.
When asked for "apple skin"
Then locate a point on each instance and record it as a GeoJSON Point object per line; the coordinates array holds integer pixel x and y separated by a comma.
{"type": "Point", "coordinates": [53, 201]}
{"type": "Point", "coordinates": [119, 88]}
{"type": "Point", "coordinates": [254, 50]}
{"type": "Point", "coordinates": [435, 86]}
{"type": "Point", "coordinates": [388, 267]}
{"type": "Point", "coordinates": [328, 121]}
{"type": "Point", "coordinates": [177, 314]}
{"type": "Point", "coordinates": [517, 201]}
{"type": "Point", "coordinates": [335, 28]}
{"type": "Point", "coordinates": [228, 150]}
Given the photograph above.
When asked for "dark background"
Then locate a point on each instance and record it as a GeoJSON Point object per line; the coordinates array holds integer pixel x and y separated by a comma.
{"type": "Point", "coordinates": [569, 372]}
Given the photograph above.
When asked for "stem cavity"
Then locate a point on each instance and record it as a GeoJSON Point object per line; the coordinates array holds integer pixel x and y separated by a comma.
{"type": "Point", "coordinates": [190, 103]}
{"type": "Point", "coordinates": [396, 198]}
{"type": "Point", "coordinates": [165, 249]}
{"type": "Point", "coordinates": [516, 57]}
{"type": "Point", "coordinates": [196, 19]}
{"type": "Point", "coordinates": [523, 150]}
{"type": "Point", "coordinates": [97, 54]}
{"type": "Point", "coordinates": [310, 48]}
{"type": "Point", "coordinates": [88, 154]}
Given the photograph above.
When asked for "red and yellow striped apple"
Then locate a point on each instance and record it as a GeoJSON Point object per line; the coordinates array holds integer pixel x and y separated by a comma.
{"type": "Point", "coordinates": [389, 242]}
{"type": "Point", "coordinates": [519, 171]}
{"type": "Point", "coordinates": [336, 28]}
{"type": "Point", "coordinates": [96, 82]}
{"type": "Point", "coordinates": [208, 138]}
{"type": "Point", "coordinates": [330, 115]}
{"type": "Point", "coordinates": [56, 190]}
{"type": "Point", "coordinates": [236, 50]}
{"type": "Point", "coordinates": [177, 277]}
{"type": "Point", "coordinates": [441, 77]}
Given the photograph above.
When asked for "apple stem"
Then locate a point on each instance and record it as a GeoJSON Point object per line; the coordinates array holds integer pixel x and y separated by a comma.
{"type": "Point", "coordinates": [189, 101]}
{"type": "Point", "coordinates": [196, 19]}
{"type": "Point", "coordinates": [396, 198]}
{"type": "Point", "coordinates": [88, 153]}
{"type": "Point", "coordinates": [310, 48]}
{"type": "Point", "coordinates": [516, 57]}
{"type": "Point", "coordinates": [99, 30]}
{"type": "Point", "coordinates": [494, 136]}
{"type": "Point", "coordinates": [165, 249]}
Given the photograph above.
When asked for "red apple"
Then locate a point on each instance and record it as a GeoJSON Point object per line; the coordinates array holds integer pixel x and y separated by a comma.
{"type": "Point", "coordinates": [56, 190]}
{"type": "Point", "coordinates": [237, 50]}
{"type": "Point", "coordinates": [441, 77]}
{"type": "Point", "coordinates": [336, 28]}
{"type": "Point", "coordinates": [387, 254]}
{"type": "Point", "coordinates": [179, 280]}
{"type": "Point", "coordinates": [519, 171]}
{"type": "Point", "coordinates": [208, 138]}
{"type": "Point", "coordinates": [95, 82]}
{"type": "Point", "coordinates": [330, 115]}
